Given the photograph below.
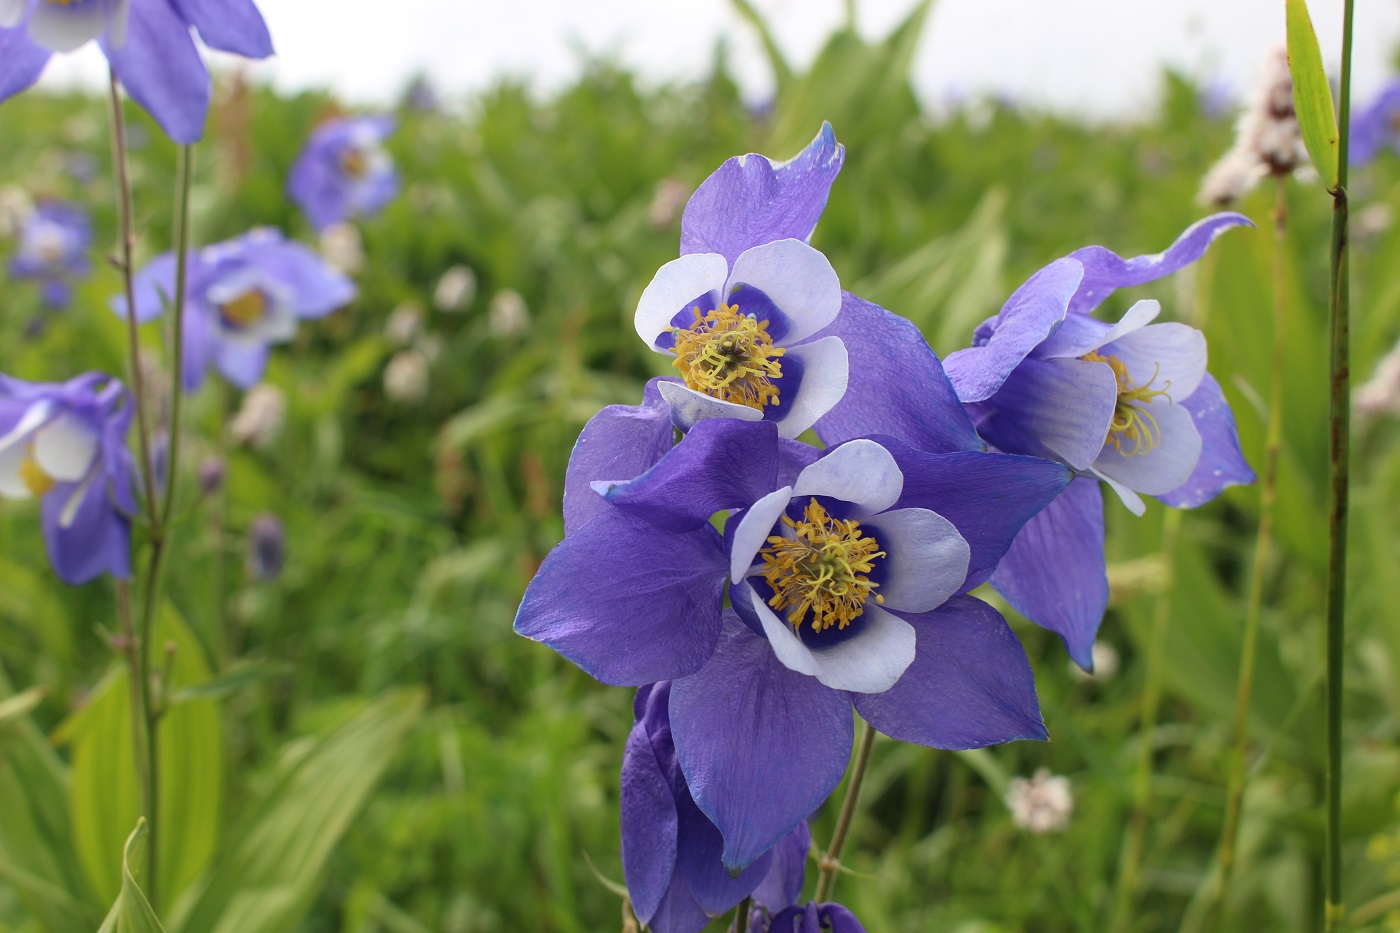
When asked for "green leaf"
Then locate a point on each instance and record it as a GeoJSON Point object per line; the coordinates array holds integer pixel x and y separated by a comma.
{"type": "Point", "coordinates": [19, 706]}
{"type": "Point", "coordinates": [1312, 95]}
{"type": "Point", "coordinates": [132, 913]}
{"type": "Point", "coordinates": [268, 878]}
{"type": "Point", "coordinates": [230, 681]}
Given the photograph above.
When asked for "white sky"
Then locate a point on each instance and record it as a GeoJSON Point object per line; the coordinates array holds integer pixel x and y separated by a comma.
{"type": "Point", "coordinates": [1100, 55]}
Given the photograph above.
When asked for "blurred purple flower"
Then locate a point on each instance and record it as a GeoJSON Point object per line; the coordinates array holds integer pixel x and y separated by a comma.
{"type": "Point", "coordinates": [148, 43]}
{"type": "Point", "coordinates": [1376, 125]}
{"type": "Point", "coordinates": [267, 548]}
{"type": "Point", "coordinates": [344, 170]}
{"type": "Point", "coordinates": [242, 295]}
{"type": "Point", "coordinates": [66, 444]}
{"type": "Point", "coordinates": [53, 246]}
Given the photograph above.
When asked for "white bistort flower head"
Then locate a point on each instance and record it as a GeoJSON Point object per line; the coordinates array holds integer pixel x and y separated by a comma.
{"type": "Point", "coordinates": [1040, 804]}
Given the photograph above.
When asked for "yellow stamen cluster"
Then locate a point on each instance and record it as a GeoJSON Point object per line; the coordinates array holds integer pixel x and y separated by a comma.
{"type": "Point", "coordinates": [729, 356]}
{"type": "Point", "coordinates": [64, 2]}
{"type": "Point", "coordinates": [820, 568]}
{"type": "Point", "coordinates": [354, 162]}
{"type": "Point", "coordinates": [1133, 430]}
{"type": "Point", "coordinates": [245, 310]}
{"type": "Point", "coordinates": [33, 475]}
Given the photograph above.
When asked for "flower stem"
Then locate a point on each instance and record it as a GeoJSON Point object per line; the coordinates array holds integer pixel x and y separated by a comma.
{"type": "Point", "coordinates": [1130, 860]}
{"type": "Point", "coordinates": [1339, 438]}
{"type": "Point", "coordinates": [741, 916]}
{"type": "Point", "coordinates": [831, 861]}
{"type": "Point", "coordinates": [185, 173]}
{"type": "Point", "coordinates": [1273, 440]}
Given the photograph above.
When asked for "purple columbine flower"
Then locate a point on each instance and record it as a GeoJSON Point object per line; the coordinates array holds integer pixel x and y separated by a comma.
{"type": "Point", "coordinates": [671, 850]}
{"type": "Point", "coordinates": [344, 171]}
{"type": "Point", "coordinates": [147, 42]}
{"type": "Point", "coordinates": [65, 443]}
{"type": "Point", "coordinates": [242, 295]}
{"type": "Point", "coordinates": [53, 245]}
{"type": "Point", "coordinates": [1130, 404]}
{"type": "Point", "coordinates": [850, 585]}
{"type": "Point", "coordinates": [1376, 125]}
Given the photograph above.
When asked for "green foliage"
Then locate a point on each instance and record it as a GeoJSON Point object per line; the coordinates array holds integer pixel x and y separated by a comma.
{"type": "Point", "coordinates": [1312, 95]}
{"type": "Point", "coordinates": [132, 913]}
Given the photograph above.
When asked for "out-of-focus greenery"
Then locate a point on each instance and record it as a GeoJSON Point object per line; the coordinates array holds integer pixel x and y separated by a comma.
{"type": "Point", "coordinates": [413, 526]}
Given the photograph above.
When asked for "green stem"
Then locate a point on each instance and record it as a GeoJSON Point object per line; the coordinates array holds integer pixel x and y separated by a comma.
{"type": "Point", "coordinates": [1339, 441]}
{"type": "Point", "coordinates": [1130, 860]}
{"type": "Point", "coordinates": [741, 916]}
{"type": "Point", "coordinates": [185, 173]}
{"type": "Point", "coordinates": [830, 863]}
{"type": "Point", "coordinates": [1254, 601]}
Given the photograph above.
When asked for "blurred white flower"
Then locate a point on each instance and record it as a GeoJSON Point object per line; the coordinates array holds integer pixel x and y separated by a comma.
{"type": "Point", "coordinates": [455, 290]}
{"type": "Point", "coordinates": [260, 417]}
{"type": "Point", "coordinates": [406, 377]}
{"type": "Point", "coordinates": [1105, 664]}
{"type": "Point", "coordinates": [1267, 139]}
{"type": "Point", "coordinates": [667, 203]}
{"type": "Point", "coordinates": [508, 315]}
{"type": "Point", "coordinates": [430, 345]}
{"type": "Point", "coordinates": [404, 325]}
{"type": "Point", "coordinates": [1380, 395]}
{"type": "Point", "coordinates": [342, 247]}
{"type": "Point", "coordinates": [15, 208]}
{"type": "Point", "coordinates": [1040, 804]}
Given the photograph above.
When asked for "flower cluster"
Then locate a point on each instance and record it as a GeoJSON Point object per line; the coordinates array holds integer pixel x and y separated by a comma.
{"type": "Point", "coordinates": [756, 587]}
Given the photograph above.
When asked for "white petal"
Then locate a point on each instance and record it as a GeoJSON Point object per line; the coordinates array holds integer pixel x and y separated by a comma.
{"type": "Point", "coordinates": [798, 279]}
{"type": "Point", "coordinates": [1172, 353]}
{"type": "Point", "coordinates": [689, 406]}
{"type": "Point", "coordinates": [34, 416]}
{"type": "Point", "coordinates": [1136, 317]}
{"type": "Point", "coordinates": [926, 558]}
{"type": "Point", "coordinates": [753, 531]}
{"type": "Point", "coordinates": [679, 281]}
{"type": "Point", "coordinates": [825, 372]}
{"type": "Point", "coordinates": [860, 471]}
{"type": "Point", "coordinates": [65, 28]}
{"type": "Point", "coordinates": [12, 484]}
{"type": "Point", "coordinates": [869, 662]}
{"type": "Point", "coordinates": [75, 501]}
{"type": "Point", "coordinates": [65, 448]}
{"type": "Point", "coordinates": [11, 12]}
{"type": "Point", "coordinates": [1130, 499]}
{"type": "Point", "coordinates": [1164, 467]}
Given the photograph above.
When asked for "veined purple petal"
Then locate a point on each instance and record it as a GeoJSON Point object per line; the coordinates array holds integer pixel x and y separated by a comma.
{"type": "Point", "coordinates": [649, 825]}
{"type": "Point", "coordinates": [1030, 315]}
{"type": "Point", "coordinates": [721, 464]}
{"type": "Point", "coordinates": [228, 25]}
{"type": "Point", "coordinates": [970, 684]}
{"type": "Point", "coordinates": [987, 497]}
{"type": "Point", "coordinates": [699, 862]}
{"type": "Point", "coordinates": [751, 200]}
{"type": "Point", "coordinates": [678, 912]}
{"type": "Point", "coordinates": [160, 68]}
{"type": "Point", "coordinates": [793, 458]}
{"type": "Point", "coordinates": [896, 384]}
{"type": "Point", "coordinates": [1168, 464]}
{"type": "Point", "coordinates": [1054, 572]}
{"type": "Point", "coordinates": [782, 886]}
{"type": "Point", "coordinates": [1221, 463]}
{"type": "Point", "coordinates": [21, 61]}
{"type": "Point", "coordinates": [1105, 271]}
{"type": "Point", "coordinates": [1057, 408]}
{"type": "Point", "coordinates": [627, 602]}
{"type": "Point", "coordinates": [760, 745]}
{"type": "Point", "coordinates": [619, 443]}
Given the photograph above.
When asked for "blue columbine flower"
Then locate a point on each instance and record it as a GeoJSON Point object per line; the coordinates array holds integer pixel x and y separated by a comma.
{"type": "Point", "coordinates": [344, 171]}
{"type": "Point", "coordinates": [849, 583]}
{"type": "Point", "coordinates": [53, 246]}
{"type": "Point", "coordinates": [1130, 404]}
{"type": "Point", "coordinates": [66, 444]}
{"type": "Point", "coordinates": [147, 42]}
{"type": "Point", "coordinates": [670, 850]}
{"type": "Point", "coordinates": [242, 295]}
{"type": "Point", "coordinates": [1376, 125]}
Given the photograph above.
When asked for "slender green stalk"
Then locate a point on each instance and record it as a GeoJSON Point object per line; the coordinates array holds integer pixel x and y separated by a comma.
{"type": "Point", "coordinates": [831, 863]}
{"type": "Point", "coordinates": [1339, 453]}
{"type": "Point", "coordinates": [741, 916]}
{"type": "Point", "coordinates": [1130, 858]}
{"type": "Point", "coordinates": [131, 650]}
{"type": "Point", "coordinates": [1268, 492]}
{"type": "Point", "coordinates": [185, 174]}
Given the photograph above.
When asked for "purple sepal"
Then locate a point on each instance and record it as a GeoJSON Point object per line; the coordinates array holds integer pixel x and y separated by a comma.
{"type": "Point", "coordinates": [750, 200]}
{"type": "Point", "coordinates": [228, 25]}
{"type": "Point", "coordinates": [782, 886]}
{"type": "Point", "coordinates": [649, 822]}
{"type": "Point", "coordinates": [678, 912]}
{"type": "Point", "coordinates": [793, 458]}
{"type": "Point", "coordinates": [761, 746]}
{"type": "Point", "coordinates": [896, 384]}
{"type": "Point", "coordinates": [21, 61]}
{"type": "Point", "coordinates": [160, 67]}
{"type": "Point", "coordinates": [241, 365]}
{"type": "Point", "coordinates": [698, 863]}
{"type": "Point", "coordinates": [814, 918]}
{"type": "Point", "coordinates": [318, 288]}
{"type": "Point", "coordinates": [628, 602]}
{"type": "Point", "coordinates": [1054, 572]}
{"type": "Point", "coordinates": [970, 684]}
{"type": "Point", "coordinates": [619, 443]}
{"type": "Point", "coordinates": [1222, 463]}
{"type": "Point", "coordinates": [1373, 126]}
{"type": "Point", "coordinates": [1105, 271]}
{"type": "Point", "coordinates": [987, 496]}
{"type": "Point", "coordinates": [1032, 313]}
{"type": "Point", "coordinates": [721, 464]}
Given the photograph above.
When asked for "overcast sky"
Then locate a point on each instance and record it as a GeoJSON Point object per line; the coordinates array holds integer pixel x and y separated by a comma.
{"type": "Point", "coordinates": [1100, 55]}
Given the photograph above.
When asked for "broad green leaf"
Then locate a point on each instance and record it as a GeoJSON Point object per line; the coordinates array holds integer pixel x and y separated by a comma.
{"type": "Point", "coordinates": [132, 913]}
{"type": "Point", "coordinates": [267, 878]}
{"type": "Point", "coordinates": [230, 681]}
{"type": "Point", "coordinates": [1312, 95]}
{"type": "Point", "coordinates": [105, 795]}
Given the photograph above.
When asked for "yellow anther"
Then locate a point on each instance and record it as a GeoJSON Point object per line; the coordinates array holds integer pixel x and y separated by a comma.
{"type": "Point", "coordinates": [729, 356]}
{"type": "Point", "coordinates": [1133, 430]}
{"type": "Point", "coordinates": [821, 568]}
{"type": "Point", "coordinates": [33, 475]}
{"type": "Point", "coordinates": [245, 310]}
{"type": "Point", "coordinates": [354, 162]}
